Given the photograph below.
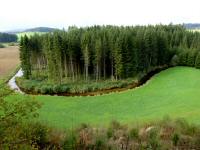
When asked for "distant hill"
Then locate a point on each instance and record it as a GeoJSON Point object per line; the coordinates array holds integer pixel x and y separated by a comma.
{"type": "Point", "coordinates": [37, 29]}
{"type": "Point", "coordinates": [40, 29]}
{"type": "Point", "coordinates": [192, 25]}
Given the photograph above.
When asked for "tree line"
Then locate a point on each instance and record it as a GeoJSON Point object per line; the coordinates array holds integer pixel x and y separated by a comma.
{"type": "Point", "coordinates": [102, 52]}
{"type": "Point", "coordinates": [5, 37]}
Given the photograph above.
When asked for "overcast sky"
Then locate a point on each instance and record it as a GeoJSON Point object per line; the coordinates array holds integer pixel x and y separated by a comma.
{"type": "Point", "coordinates": [18, 14]}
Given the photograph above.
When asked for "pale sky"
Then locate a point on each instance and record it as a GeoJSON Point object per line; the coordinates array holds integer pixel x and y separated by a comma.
{"type": "Point", "coordinates": [19, 14]}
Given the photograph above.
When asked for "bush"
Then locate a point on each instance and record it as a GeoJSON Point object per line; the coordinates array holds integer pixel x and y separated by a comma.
{"type": "Point", "coordinates": [134, 133]}
{"type": "Point", "coordinates": [175, 139]}
{"type": "Point", "coordinates": [42, 86]}
{"type": "Point", "coordinates": [191, 58]}
{"type": "Point", "coordinates": [197, 61]}
{"type": "Point", "coordinates": [183, 57]}
{"type": "Point", "coordinates": [153, 139]}
{"type": "Point", "coordinates": [175, 60]}
{"type": "Point", "coordinates": [1, 45]}
{"type": "Point", "coordinates": [70, 142]}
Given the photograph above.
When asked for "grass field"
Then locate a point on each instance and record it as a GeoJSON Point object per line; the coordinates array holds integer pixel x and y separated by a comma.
{"type": "Point", "coordinates": [174, 92]}
{"type": "Point", "coordinates": [9, 59]}
{"type": "Point", "coordinates": [195, 30]}
{"type": "Point", "coordinates": [19, 35]}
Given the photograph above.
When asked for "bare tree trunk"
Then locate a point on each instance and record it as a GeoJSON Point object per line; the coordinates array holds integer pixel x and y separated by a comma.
{"type": "Point", "coordinates": [72, 68]}
{"type": "Point", "coordinates": [65, 66]}
{"type": "Point", "coordinates": [104, 66]}
{"type": "Point", "coordinates": [112, 70]}
{"type": "Point", "coordinates": [86, 71]}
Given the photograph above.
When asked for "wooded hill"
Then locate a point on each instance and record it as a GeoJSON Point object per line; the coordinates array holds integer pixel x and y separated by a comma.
{"type": "Point", "coordinates": [102, 52]}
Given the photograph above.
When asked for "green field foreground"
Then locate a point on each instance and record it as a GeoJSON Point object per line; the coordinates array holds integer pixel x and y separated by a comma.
{"type": "Point", "coordinates": [174, 92]}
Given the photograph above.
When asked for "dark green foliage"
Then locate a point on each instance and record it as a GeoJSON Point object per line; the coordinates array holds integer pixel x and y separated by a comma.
{"type": "Point", "coordinates": [153, 139]}
{"type": "Point", "coordinates": [197, 61]}
{"type": "Point", "coordinates": [1, 45]}
{"type": "Point", "coordinates": [183, 58]}
{"type": "Point", "coordinates": [95, 52]}
{"type": "Point", "coordinates": [192, 57]}
{"type": "Point", "coordinates": [175, 139]}
{"type": "Point", "coordinates": [101, 52]}
{"type": "Point", "coordinates": [70, 141]}
{"type": "Point", "coordinates": [81, 86]}
{"type": "Point", "coordinates": [5, 37]}
{"type": "Point", "coordinates": [25, 56]}
{"type": "Point", "coordinates": [134, 133]}
{"type": "Point", "coordinates": [14, 133]}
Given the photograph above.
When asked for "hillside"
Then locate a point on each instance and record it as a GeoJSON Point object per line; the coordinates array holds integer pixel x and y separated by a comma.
{"type": "Point", "coordinates": [40, 29]}
{"type": "Point", "coordinates": [36, 29]}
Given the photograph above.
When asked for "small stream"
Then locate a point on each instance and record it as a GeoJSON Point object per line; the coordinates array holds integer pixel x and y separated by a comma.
{"type": "Point", "coordinates": [12, 82]}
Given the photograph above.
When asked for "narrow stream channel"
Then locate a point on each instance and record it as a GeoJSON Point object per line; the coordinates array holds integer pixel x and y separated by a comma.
{"type": "Point", "coordinates": [12, 82]}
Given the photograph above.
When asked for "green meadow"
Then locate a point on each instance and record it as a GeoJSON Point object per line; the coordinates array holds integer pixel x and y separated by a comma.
{"type": "Point", "coordinates": [173, 92]}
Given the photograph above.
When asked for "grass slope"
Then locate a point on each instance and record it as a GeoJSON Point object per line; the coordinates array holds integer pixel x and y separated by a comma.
{"type": "Point", "coordinates": [174, 92]}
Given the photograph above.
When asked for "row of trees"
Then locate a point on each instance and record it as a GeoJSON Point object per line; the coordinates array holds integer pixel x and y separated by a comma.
{"type": "Point", "coordinates": [5, 37]}
{"type": "Point", "coordinates": [101, 52]}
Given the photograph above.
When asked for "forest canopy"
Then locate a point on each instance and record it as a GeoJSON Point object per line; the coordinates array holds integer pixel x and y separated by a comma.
{"type": "Point", "coordinates": [103, 52]}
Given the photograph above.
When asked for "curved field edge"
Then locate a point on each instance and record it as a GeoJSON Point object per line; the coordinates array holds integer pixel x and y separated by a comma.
{"type": "Point", "coordinates": [174, 92]}
{"type": "Point", "coordinates": [91, 88]}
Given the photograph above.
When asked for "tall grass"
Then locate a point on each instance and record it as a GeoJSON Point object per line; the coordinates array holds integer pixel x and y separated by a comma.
{"type": "Point", "coordinates": [166, 134]}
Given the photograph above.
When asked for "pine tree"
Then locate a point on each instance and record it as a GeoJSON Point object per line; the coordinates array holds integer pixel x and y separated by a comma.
{"type": "Point", "coordinates": [118, 60]}
{"type": "Point", "coordinates": [98, 57]}
{"type": "Point", "coordinates": [197, 61]}
{"type": "Point", "coordinates": [25, 55]}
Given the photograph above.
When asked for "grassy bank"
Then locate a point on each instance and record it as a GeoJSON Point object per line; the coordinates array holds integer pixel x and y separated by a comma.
{"type": "Point", "coordinates": [78, 87]}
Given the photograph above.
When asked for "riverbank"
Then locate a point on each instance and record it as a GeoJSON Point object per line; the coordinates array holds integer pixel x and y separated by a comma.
{"type": "Point", "coordinates": [64, 90]}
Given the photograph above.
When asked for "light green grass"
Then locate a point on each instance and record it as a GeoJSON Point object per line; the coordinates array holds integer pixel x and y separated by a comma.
{"type": "Point", "coordinates": [195, 30]}
{"type": "Point", "coordinates": [174, 92]}
{"type": "Point", "coordinates": [19, 35]}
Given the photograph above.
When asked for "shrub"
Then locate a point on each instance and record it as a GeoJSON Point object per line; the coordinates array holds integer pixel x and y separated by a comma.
{"type": "Point", "coordinates": [70, 141]}
{"type": "Point", "coordinates": [56, 89]}
{"type": "Point", "coordinates": [183, 57]}
{"type": "Point", "coordinates": [36, 133]}
{"type": "Point", "coordinates": [191, 58]}
{"type": "Point", "coordinates": [44, 89]}
{"type": "Point", "coordinates": [134, 133]}
{"type": "Point", "coordinates": [175, 139]}
{"type": "Point", "coordinates": [175, 60]}
{"type": "Point", "coordinates": [197, 61]}
{"type": "Point", "coordinates": [110, 132]}
{"type": "Point", "coordinates": [1, 45]}
{"type": "Point", "coordinates": [42, 86]}
{"type": "Point", "coordinates": [153, 139]}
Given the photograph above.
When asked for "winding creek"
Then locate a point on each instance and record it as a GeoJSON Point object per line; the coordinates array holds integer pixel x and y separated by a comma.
{"type": "Point", "coordinates": [12, 82]}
